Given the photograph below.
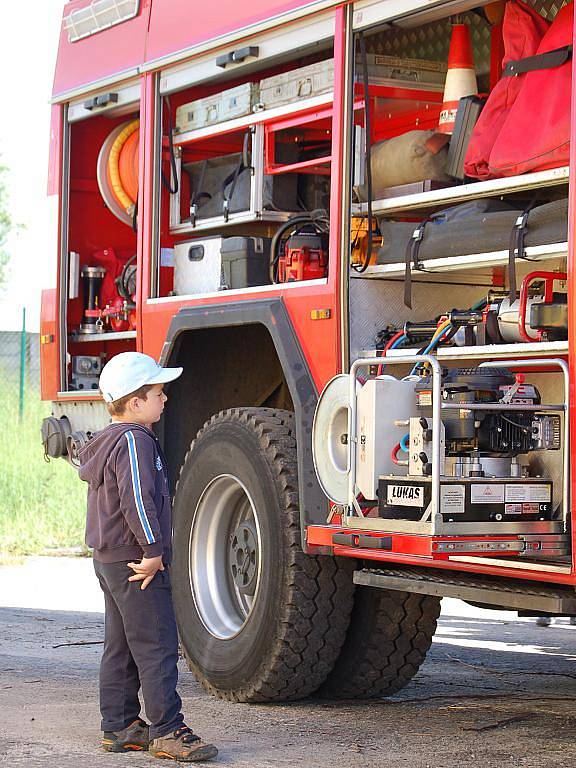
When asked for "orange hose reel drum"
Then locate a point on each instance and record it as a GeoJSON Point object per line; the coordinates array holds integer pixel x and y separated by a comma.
{"type": "Point", "coordinates": [118, 170]}
{"type": "Point", "coordinates": [128, 165]}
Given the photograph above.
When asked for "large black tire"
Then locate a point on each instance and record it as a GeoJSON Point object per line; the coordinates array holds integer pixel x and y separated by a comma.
{"type": "Point", "coordinates": [389, 635]}
{"type": "Point", "coordinates": [293, 632]}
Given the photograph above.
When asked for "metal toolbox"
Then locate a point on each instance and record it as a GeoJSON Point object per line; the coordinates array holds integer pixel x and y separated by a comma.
{"type": "Point", "coordinates": [423, 72]}
{"type": "Point", "coordinates": [301, 83]}
{"type": "Point", "coordinates": [226, 105]}
{"type": "Point", "coordinates": [245, 261]}
{"type": "Point", "coordinates": [315, 79]}
{"type": "Point", "coordinates": [197, 266]}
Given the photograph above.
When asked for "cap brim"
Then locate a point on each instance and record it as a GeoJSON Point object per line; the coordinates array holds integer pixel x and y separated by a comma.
{"type": "Point", "coordinates": [165, 375]}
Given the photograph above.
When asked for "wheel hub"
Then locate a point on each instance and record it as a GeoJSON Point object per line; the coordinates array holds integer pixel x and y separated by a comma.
{"type": "Point", "coordinates": [243, 557]}
{"type": "Point", "coordinates": [224, 556]}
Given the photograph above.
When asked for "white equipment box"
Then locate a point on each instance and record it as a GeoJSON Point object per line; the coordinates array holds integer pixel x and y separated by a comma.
{"type": "Point", "coordinates": [198, 266]}
{"type": "Point", "coordinates": [381, 402]}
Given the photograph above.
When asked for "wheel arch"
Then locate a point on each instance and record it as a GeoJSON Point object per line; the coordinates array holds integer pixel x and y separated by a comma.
{"type": "Point", "coordinates": [257, 338]}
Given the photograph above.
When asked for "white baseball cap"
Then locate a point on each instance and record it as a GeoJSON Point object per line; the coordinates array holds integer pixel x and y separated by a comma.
{"type": "Point", "coordinates": [129, 371]}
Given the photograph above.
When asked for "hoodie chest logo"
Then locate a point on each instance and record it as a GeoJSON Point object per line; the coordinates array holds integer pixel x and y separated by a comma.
{"type": "Point", "coordinates": [158, 464]}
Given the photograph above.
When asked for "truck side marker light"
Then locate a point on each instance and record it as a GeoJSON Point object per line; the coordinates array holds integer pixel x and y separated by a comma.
{"type": "Point", "coordinates": [320, 314]}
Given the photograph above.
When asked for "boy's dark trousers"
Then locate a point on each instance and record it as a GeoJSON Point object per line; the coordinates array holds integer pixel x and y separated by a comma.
{"type": "Point", "coordinates": [140, 650]}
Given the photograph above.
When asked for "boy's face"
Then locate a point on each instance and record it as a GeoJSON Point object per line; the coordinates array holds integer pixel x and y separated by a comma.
{"type": "Point", "coordinates": [146, 410]}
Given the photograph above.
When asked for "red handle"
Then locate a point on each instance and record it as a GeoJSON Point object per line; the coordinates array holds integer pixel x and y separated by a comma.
{"type": "Point", "coordinates": [549, 279]}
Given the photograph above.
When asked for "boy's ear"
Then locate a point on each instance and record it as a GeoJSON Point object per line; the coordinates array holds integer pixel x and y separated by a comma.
{"type": "Point", "coordinates": [132, 404]}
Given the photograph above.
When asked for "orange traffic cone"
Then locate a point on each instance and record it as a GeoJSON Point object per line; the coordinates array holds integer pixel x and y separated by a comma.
{"type": "Point", "coordinates": [460, 78]}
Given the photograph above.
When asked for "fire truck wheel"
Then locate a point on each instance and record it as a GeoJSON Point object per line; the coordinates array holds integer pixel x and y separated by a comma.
{"type": "Point", "coordinates": [389, 635]}
{"type": "Point", "coordinates": [258, 619]}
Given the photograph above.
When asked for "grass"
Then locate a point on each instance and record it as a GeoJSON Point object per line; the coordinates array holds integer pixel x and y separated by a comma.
{"type": "Point", "coordinates": [42, 505]}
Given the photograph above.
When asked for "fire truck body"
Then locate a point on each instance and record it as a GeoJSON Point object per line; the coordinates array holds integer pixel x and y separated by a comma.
{"type": "Point", "coordinates": [346, 447]}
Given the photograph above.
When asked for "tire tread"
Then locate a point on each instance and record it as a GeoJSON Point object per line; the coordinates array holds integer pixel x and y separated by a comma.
{"type": "Point", "coordinates": [318, 592]}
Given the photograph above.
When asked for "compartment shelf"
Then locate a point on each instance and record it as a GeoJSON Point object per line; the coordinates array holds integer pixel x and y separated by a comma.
{"type": "Point", "coordinates": [490, 351]}
{"type": "Point", "coordinates": [263, 116]}
{"type": "Point", "coordinates": [432, 267]}
{"type": "Point", "coordinates": [106, 336]}
{"type": "Point", "coordinates": [465, 192]}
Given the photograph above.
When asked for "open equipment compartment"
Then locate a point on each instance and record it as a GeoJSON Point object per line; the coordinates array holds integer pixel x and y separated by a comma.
{"type": "Point", "coordinates": [98, 258]}
{"type": "Point", "coordinates": [474, 459]}
{"type": "Point", "coordinates": [237, 154]}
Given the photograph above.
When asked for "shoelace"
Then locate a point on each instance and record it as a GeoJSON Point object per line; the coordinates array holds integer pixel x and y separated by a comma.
{"type": "Point", "coordinates": [186, 734]}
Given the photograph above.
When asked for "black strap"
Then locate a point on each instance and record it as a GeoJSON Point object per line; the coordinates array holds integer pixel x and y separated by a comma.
{"type": "Point", "coordinates": [411, 260]}
{"type": "Point", "coordinates": [198, 195]}
{"type": "Point", "coordinates": [516, 249]}
{"type": "Point", "coordinates": [171, 189]}
{"type": "Point", "coordinates": [232, 179]}
{"type": "Point", "coordinates": [368, 150]}
{"type": "Point", "coordinates": [547, 60]}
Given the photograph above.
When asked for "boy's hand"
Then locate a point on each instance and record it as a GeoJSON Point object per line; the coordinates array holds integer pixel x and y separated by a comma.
{"type": "Point", "coordinates": [146, 569]}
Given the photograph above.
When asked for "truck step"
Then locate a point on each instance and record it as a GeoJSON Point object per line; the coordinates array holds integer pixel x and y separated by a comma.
{"type": "Point", "coordinates": [512, 594]}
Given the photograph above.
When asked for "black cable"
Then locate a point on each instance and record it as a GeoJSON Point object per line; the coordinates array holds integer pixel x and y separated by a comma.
{"type": "Point", "coordinates": [165, 182]}
{"type": "Point", "coordinates": [317, 219]}
{"type": "Point", "coordinates": [368, 127]}
{"type": "Point", "coordinates": [274, 245]}
{"type": "Point", "coordinates": [135, 218]}
{"type": "Point", "coordinates": [521, 427]}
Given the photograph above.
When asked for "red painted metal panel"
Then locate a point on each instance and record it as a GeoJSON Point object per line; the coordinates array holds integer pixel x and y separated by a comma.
{"type": "Point", "coordinates": [106, 53]}
{"type": "Point", "coordinates": [317, 337]}
{"type": "Point", "coordinates": [48, 346]}
{"type": "Point", "coordinates": [571, 314]}
{"type": "Point", "coordinates": [174, 25]}
{"type": "Point", "coordinates": [55, 151]}
{"type": "Point", "coordinates": [334, 276]}
{"type": "Point", "coordinates": [415, 550]}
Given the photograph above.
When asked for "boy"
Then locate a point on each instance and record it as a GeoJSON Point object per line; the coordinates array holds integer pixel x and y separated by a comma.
{"type": "Point", "coordinates": [129, 528]}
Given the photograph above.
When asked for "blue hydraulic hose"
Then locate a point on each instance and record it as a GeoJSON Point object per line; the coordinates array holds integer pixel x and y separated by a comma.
{"type": "Point", "coordinates": [432, 346]}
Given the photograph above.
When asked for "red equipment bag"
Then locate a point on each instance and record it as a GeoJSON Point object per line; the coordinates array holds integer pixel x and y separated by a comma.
{"type": "Point", "coordinates": [522, 30]}
{"type": "Point", "coordinates": [536, 133]}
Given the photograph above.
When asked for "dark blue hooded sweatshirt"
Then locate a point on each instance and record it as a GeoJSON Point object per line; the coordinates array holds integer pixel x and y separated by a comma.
{"type": "Point", "coordinates": [129, 509]}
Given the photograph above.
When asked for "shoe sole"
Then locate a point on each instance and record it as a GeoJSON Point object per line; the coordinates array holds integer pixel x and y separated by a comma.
{"type": "Point", "coordinates": [110, 746]}
{"type": "Point", "coordinates": [202, 753]}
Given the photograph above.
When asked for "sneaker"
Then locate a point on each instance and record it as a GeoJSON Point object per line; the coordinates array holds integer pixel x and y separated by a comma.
{"type": "Point", "coordinates": [543, 621]}
{"type": "Point", "coordinates": [182, 745]}
{"type": "Point", "coordinates": [133, 738]}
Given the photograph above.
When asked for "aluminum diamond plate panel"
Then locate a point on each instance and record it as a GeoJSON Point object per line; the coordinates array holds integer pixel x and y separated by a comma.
{"type": "Point", "coordinates": [431, 41]}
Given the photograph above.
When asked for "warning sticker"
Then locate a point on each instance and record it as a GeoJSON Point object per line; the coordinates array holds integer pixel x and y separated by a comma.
{"type": "Point", "coordinates": [522, 492]}
{"type": "Point", "coordinates": [486, 493]}
{"type": "Point", "coordinates": [424, 398]}
{"type": "Point", "coordinates": [452, 499]}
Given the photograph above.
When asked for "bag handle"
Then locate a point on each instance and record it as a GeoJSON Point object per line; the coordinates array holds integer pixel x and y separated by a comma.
{"type": "Point", "coordinates": [232, 179]}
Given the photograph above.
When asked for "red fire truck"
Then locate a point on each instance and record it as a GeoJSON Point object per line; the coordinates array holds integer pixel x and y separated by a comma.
{"type": "Point", "coordinates": [348, 222]}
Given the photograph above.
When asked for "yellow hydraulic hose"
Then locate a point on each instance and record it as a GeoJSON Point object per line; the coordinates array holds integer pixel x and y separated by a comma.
{"type": "Point", "coordinates": [113, 166]}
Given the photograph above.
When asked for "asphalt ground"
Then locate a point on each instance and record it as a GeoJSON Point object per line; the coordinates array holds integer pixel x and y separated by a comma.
{"type": "Point", "coordinates": [495, 690]}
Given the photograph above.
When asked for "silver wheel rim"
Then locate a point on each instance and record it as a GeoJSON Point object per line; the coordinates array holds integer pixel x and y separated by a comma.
{"type": "Point", "coordinates": [225, 556]}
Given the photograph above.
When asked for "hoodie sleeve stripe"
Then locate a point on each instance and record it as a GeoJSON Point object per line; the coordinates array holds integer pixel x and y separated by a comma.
{"type": "Point", "coordinates": [136, 488]}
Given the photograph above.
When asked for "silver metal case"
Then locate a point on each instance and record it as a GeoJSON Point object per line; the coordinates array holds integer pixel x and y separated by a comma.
{"type": "Point", "coordinates": [197, 266]}
{"type": "Point", "coordinates": [301, 83]}
{"type": "Point", "coordinates": [226, 105]}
